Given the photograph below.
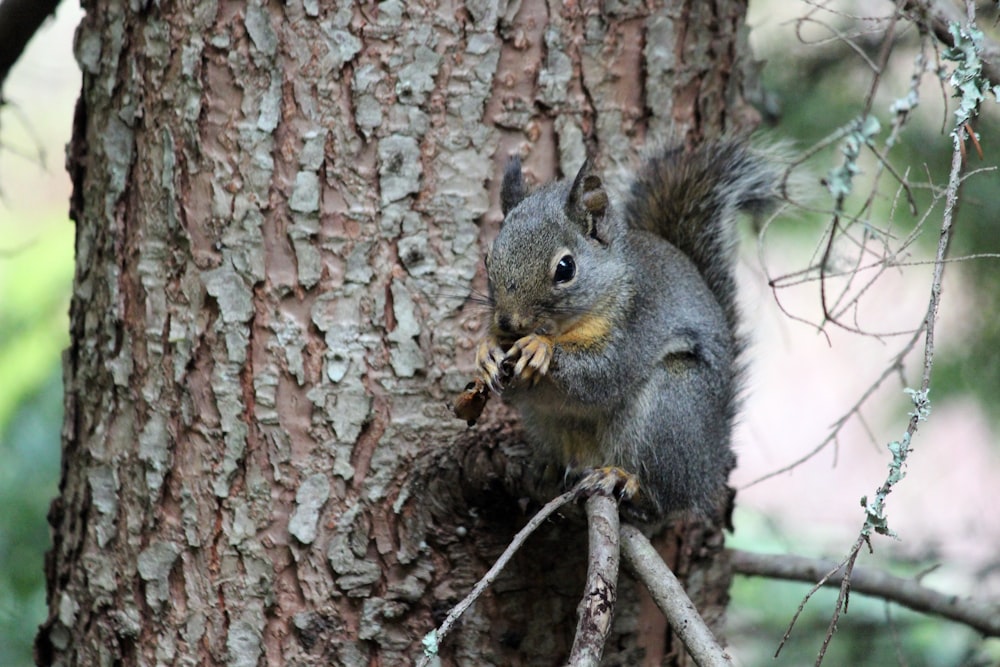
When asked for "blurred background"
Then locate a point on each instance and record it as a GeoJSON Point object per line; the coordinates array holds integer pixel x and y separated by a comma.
{"type": "Point", "coordinates": [817, 72]}
{"type": "Point", "coordinates": [36, 273]}
{"type": "Point", "coordinates": [801, 381]}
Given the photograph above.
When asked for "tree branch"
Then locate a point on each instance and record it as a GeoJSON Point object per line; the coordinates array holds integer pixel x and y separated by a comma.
{"type": "Point", "coordinates": [19, 21]}
{"type": "Point", "coordinates": [642, 559]}
{"type": "Point", "coordinates": [433, 639]}
{"type": "Point", "coordinates": [597, 607]}
{"type": "Point", "coordinates": [938, 16]}
{"type": "Point", "coordinates": [981, 615]}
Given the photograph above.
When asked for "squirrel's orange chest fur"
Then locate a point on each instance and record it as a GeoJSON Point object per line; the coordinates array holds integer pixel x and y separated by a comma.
{"type": "Point", "coordinates": [590, 331]}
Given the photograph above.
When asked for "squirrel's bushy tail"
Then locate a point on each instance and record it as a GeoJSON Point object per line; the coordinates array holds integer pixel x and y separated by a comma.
{"type": "Point", "coordinates": [692, 198]}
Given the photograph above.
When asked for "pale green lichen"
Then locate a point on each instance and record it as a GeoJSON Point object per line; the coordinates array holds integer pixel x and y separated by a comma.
{"type": "Point", "coordinates": [234, 296]}
{"type": "Point", "coordinates": [367, 108]}
{"type": "Point", "coordinates": [399, 167]}
{"type": "Point", "coordinates": [349, 410]}
{"type": "Point", "coordinates": [290, 341]}
{"type": "Point", "coordinates": [967, 79]}
{"type": "Point", "coordinates": [258, 24]}
{"type": "Point", "coordinates": [68, 609]}
{"type": "Point", "coordinates": [265, 386]}
{"type": "Point", "coordinates": [356, 573]}
{"type": "Point", "coordinates": [154, 450]}
{"type": "Point", "coordinates": [310, 497]}
{"type": "Point", "coordinates": [154, 564]}
{"type": "Point", "coordinates": [404, 355]}
{"type": "Point", "coordinates": [555, 76]}
{"type": "Point", "coordinates": [305, 193]}
{"type": "Point", "coordinates": [337, 366]}
{"type": "Point", "coordinates": [875, 517]}
{"type": "Point", "coordinates": [244, 641]}
{"type": "Point", "coordinates": [859, 133]}
{"type": "Point", "coordinates": [242, 527]}
{"type": "Point", "coordinates": [341, 45]}
{"type": "Point", "coordinates": [270, 106]}
{"type": "Point", "coordinates": [104, 488]}
{"type": "Point", "coordinates": [430, 643]}
{"type": "Point", "coordinates": [313, 150]}
{"type": "Point", "coordinates": [229, 402]}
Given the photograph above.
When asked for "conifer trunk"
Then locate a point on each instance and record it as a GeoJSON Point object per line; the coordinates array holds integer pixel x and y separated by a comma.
{"type": "Point", "coordinates": [280, 209]}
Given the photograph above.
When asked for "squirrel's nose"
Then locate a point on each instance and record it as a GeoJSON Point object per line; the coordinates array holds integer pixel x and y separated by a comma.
{"type": "Point", "coordinates": [505, 324]}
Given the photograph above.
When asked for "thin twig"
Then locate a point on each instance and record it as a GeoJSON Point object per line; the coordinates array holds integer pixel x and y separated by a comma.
{"type": "Point", "coordinates": [596, 609]}
{"type": "Point", "coordinates": [433, 639]}
{"type": "Point", "coordinates": [951, 201]}
{"type": "Point", "coordinates": [805, 600]}
{"type": "Point", "coordinates": [843, 596]}
{"type": "Point", "coordinates": [668, 594]}
{"type": "Point", "coordinates": [855, 410]}
{"type": "Point", "coordinates": [981, 615]}
{"type": "Point", "coordinates": [785, 281]}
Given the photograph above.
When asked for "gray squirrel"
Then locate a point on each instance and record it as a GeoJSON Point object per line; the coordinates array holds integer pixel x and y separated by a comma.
{"type": "Point", "coordinates": [614, 328]}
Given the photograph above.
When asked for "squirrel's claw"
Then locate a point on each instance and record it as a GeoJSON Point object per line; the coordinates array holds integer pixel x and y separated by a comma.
{"type": "Point", "coordinates": [535, 355]}
{"type": "Point", "coordinates": [527, 360]}
{"type": "Point", "coordinates": [489, 360]}
{"type": "Point", "coordinates": [611, 481]}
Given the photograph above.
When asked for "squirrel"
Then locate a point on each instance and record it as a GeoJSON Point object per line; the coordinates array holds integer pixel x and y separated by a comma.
{"type": "Point", "coordinates": [615, 328]}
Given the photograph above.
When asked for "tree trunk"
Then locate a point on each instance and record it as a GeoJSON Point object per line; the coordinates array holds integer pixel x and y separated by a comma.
{"type": "Point", "coordinates": [281, 208]}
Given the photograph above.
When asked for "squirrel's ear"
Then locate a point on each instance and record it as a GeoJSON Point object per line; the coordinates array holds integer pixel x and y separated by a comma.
{"type": "Point", "coordinates": [512, 190]}
{"type": "Point", "coordinates": [588, 202]}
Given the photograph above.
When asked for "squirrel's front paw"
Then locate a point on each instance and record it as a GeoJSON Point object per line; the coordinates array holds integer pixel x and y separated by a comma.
{"type": "Point", "coordinates": [489, 360]}
{"type": "Point", "coordinates": [533, 354]}
{"type": "Point", "coordinates": [610, 481]}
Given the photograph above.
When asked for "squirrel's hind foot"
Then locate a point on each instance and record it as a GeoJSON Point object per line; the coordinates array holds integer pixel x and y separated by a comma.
{"type": "Point", "coordinates": [611, 481]}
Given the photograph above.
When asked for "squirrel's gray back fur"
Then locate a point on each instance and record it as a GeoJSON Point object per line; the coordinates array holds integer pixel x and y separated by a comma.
{"type": "Point", "coordinates": [691, 199]}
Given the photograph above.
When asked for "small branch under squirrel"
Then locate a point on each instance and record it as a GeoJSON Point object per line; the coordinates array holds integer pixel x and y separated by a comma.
{"type": "Point", "coordinates": [596, 609]}
{"type": "Point", "coordinates": [685, 621]}
{"type": "Point", "coordinates": [433, 639]}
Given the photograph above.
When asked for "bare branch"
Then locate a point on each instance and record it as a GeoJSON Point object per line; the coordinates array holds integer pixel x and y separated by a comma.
{"type": "Point", "coordinates": [19, 21]}
{"type": "Point", "coordinates": [875, 520]}
{"type": "Point", "coordinates": [981, 615]}
{"type": "Point", "coordinates": [843, 596]}
{"type": "Point", "coordinates": [434, 638]}
{"type": "Point", "coordinates": [597, 607]}
{"type": "Point", "coordinates": [668, 594]}
{"type": "Point", "coordinates": [854, 411]}
{"type": "Point", "coordinates": [805, 600]}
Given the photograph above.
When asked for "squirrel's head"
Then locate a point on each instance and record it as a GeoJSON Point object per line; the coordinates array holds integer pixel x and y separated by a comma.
{"type": "Point", "coordinates": [557, 257]}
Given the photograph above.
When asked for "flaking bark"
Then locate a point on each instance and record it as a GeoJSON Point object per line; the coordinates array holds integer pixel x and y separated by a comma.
{"type": "Point", "coordinates": [279, 207]}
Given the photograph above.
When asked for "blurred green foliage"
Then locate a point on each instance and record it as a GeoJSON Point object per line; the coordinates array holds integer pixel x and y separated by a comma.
{"type": "Point", "coordinates": [816, 90]}
{"type": "Point", "coordinates": [36, 268]}
{"type": "Point", "coordinates": [811, 91]}
{"type": "Point", "coordinates": [871, 632]}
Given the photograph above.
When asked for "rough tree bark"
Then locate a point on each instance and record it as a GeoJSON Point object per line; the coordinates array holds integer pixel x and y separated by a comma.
{"type": "Point", "coordinates": [280, 209]}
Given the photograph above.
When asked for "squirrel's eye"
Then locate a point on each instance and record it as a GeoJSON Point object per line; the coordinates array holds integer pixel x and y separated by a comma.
{"type": "Point", "coordinates": [565, 270]}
